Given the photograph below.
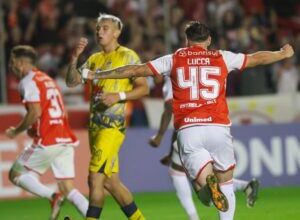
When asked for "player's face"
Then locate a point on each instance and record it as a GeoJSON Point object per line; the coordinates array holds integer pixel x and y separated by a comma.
{"type": "Point", "coordinates": [15, 66]}
{"type": "Point", "coordinates": [106, 32]}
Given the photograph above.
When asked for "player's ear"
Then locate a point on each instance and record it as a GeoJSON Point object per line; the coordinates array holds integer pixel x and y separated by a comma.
{"type": "Point", "coordinates": [117, 33]}
{"type": "Point", "coordinates": [187, 42]}
{"type": "Point", "coordinates": [208, 41]}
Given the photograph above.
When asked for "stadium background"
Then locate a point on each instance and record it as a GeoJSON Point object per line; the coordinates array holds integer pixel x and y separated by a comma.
{"type": "Point", "coordinates": [265, 115]}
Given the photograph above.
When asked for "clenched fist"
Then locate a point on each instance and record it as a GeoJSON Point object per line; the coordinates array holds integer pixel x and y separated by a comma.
{"type": "Point", "coordinates": [82, 43]}
{"type": "Point", "coordinates": [109, 99]}
{"type": "Point", "coordinates": [11, 132]}
{"type": "Point", "coordinates": [287, 50]}
{"type": "Point", "coordinates": [155, 140]}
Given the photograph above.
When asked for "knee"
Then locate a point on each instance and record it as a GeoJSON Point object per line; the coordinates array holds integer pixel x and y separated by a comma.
{"type": "Point", "coordinates": [66, 186]}
{"type": "Point", "coordinates": [96, 180]}
{"type": "Point", "coordinates": [112, 186]}
{"type": "Point", "coordinates": [224, 176]}
{"type": "Point", "coordinates": [91, 181]}
{"type": "Point", "coordinates": [12, 176]}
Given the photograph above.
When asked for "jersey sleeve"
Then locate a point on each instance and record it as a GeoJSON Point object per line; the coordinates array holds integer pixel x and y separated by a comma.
{"type": "Point", "coordinates": [131, 58]}
{"type": "Point", "coordinates": [161, 65]}
{"type": "Point", "coordinates": [234, 61]}
{"type": "Point", "coordinates": [167, 89]}
{"type": "Point", "coordinates": [30, 92]}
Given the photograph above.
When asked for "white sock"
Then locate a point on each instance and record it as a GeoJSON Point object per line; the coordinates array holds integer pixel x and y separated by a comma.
{"type": "Point", "coordinates": [184, 194]}
{"type": "Point", "coordinates": [30, 183]}
{"type": "Point", "coordinates": [227, 189]}
{"type": "Point", "coordinates": [80, 202]}
{"type": "Point", "coordinates": [194, 217]}
{"type": "Point", "coordinates": [239, 185]}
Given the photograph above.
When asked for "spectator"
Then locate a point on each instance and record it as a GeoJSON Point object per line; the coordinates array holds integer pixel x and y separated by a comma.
{"type": "Point", "coordinates": [287, 77]}
{"type": "Point", "coordinates": [238, 25]}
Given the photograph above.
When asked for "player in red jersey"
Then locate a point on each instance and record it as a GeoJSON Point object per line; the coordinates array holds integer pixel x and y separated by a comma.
{"type": "Point", "coordinates": [176, 170]}
{"type": "Point", "coordinates": [200, 110]}
{"type": "Point", "coordinates": [53, 141]}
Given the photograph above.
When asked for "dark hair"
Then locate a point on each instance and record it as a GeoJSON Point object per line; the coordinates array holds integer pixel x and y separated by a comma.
{"type": "Point", "coordinates": [197, 31]}
{"type": "Point", "coordinates": [25, 51]}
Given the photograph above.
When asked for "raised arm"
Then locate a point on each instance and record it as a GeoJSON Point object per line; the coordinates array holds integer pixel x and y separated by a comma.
{"type": "Point", "coordinates": [73, 77]}
{"type": "Point", "coordinates": [128, 71]}
{"type": "Point", "coordinates": [268, 57]}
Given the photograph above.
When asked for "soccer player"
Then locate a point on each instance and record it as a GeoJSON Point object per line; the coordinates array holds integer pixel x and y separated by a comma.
{"type": "Point", "coordinates": [53, 141]}
{"type": "Point", "coordinates": [107, 119]}
{"type": "Point", "coordinates": [176, 170]}
{"type": "Point", "coordinates": [200, 109]}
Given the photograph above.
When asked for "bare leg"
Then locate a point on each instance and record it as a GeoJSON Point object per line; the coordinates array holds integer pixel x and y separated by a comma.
{"type": "Point", "coordinates": [123, 197]}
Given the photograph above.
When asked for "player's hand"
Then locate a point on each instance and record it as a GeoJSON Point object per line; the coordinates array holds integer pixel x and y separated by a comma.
{"type": "Point", "coordinates": [32, 132]}
{"type": "Point", "coordinates": [82, 43]}
{"type": "Point", "coordinates": [287, 51]}
{"type": "Point", "coordinates": [166, 160]}
{"type": "Point", "coordinates": [88, 74]}
{"type": "Point", "coordinates": [155, 140]}
{"type": "Point", "coordinates": [158, 79]}
{"type": "Point", "coordinates": [91, 75]}
{"type": "Point", "coordinates": [11, 132]}
{"type": "Point", "coordinates": [109, 99]}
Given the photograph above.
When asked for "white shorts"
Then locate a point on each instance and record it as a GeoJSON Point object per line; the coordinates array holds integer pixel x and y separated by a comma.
{"type": "Point", "coordinates": [175, 154]}
{"type": "Point", "coordinates": [200, 145]}
{"type": "Point", "coordinates": [39, 159]}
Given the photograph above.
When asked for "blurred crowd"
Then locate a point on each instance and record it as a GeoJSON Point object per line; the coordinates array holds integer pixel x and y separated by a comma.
{"type": "Point", "coordinates": [54, 27]}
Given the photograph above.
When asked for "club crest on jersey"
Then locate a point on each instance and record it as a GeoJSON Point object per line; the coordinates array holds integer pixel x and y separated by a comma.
{"type": "Point", "coordinates": [108, 64]}
{"type": "Point", "coordinates": [182, 53]}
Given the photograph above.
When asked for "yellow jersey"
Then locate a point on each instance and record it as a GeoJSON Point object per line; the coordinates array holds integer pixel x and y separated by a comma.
{"type": "Point", "coordinates": [102, 116]}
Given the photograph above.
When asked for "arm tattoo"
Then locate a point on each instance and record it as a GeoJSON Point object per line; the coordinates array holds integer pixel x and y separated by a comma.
{"type": "Point", "coordinates": [73, 76]}
{"type": "Point", "coordinates": [123, 72]}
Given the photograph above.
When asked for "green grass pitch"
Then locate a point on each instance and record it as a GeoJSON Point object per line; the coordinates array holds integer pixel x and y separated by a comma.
{"type": "Point", "coordinates": [273, 204]}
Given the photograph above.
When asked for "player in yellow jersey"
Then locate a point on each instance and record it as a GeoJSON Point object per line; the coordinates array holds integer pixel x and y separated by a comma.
{"type": "Point", "coordinates": [107, 118]}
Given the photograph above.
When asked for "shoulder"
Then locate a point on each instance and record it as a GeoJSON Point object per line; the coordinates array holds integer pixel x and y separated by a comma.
{"type": "Point", "coordinates": [40, 76]}
{"type": "Point", "coordinates": [132, 57]}
{"type": "Point", "coordinates": [95, 56]}
{"type": "Point", "coordinates": [226, 53]}
{"type": "Point", "coordinates": [182, 52]}
{"type": "Point", "coordinates": [94, 60]}
{"type": "Point", "coordinates": [29, 79]}
{"type": "Point", "coordinates": [126, 51]}
{"type": "Point", "coordinates": [233, 60]}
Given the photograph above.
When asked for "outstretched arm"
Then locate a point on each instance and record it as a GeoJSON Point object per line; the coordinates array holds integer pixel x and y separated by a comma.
{"type": "Point", "coordinates": [128, 71]}
{"type": "Point", "coordinates": [73, 77]}
{"type": "Point", "coordinates": [268, 57]}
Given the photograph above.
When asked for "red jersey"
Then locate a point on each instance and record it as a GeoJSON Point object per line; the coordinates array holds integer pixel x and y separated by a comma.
{"type": "Point", "coordinates": [52, 127]}
{"type": "Point", "coordinates": [199, 84]}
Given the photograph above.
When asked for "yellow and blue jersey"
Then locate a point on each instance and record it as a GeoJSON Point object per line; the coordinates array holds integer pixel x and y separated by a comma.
{"type": "Point", "coordinates": [102, 116]}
